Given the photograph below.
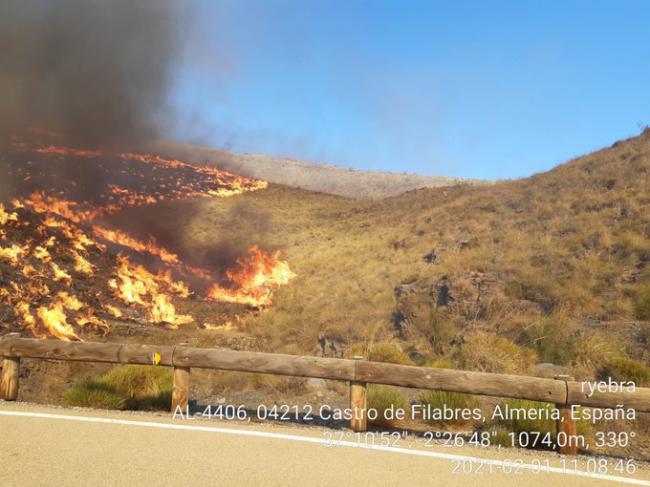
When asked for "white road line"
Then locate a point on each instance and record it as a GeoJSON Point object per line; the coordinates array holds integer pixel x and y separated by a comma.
{"type": "Point", "coordinates": [326, 442]}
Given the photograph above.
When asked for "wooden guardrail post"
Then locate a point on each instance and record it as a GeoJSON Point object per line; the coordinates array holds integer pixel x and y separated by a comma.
{"type": "Point", "coordinates": [358, 402]}
{"type": "Point", "coordinates": [181, 387]}
{"type": "Point", "coordinates": [566, 426]}
{"type": "Point", "coordinates": [10, 375]}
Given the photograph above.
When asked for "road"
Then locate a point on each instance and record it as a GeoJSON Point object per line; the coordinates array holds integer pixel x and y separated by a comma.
{"type": "Point", "coordinates": [51, 446]}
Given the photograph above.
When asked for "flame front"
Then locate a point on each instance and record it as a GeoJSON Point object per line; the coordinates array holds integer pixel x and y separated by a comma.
{"type": "Point", "coordinates": [124, 239]}
{"type": "Point", "coordinates": [134, 284]}
{"type": "Point", "coordinates": [254, 279]}
{"type": "Point", "coordinates": [53, 261]}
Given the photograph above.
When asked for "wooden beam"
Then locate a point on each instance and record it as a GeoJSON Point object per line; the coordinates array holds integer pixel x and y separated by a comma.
{"type": "Point", "coordinates": [497, 385]}
{"type": "Point", "coordinates": [480, 383]}
{"type": "Point", "coordinates": [10, 377]}
{"type": "Point", "coordinates": [265, 363]}
{"type": "Point", "coordinates": [580, 394]}
{"type": "Point", "coordinates": [85, 351]}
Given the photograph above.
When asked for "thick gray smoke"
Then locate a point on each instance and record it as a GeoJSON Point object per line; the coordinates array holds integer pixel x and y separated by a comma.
{"type": "Point", "coordinates": [97, 71]}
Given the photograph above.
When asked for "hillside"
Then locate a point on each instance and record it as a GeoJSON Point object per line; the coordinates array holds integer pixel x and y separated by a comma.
{"type": "Point", "coordinates": [325, 178]}
{"type": "Point", "coordinates": [556, 265]}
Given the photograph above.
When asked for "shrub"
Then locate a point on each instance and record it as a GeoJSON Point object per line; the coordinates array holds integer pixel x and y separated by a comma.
{"type": "Point", "coordinates": [626, 369]}
{"type": "Point", "coordinates": [514, 289]}
{"type": "Point", "coordinates": [382, 352]}
{"type": "Point", "coordinates": [453, 400]}
{"type": "Point", "coordinates": [441, 333]}
{"type": "Point", "coordinates": [125, 387]}
{"type": "Point", "coordinates": [95, 395]}
{"type": "Point", "coordinates": [491, 353]}
{"type": "Point", "coordinates": [440, 363]}
{"type": "Point", "coordinates": [592, 351]}
{"type": "Point", "coordinates": [382, 398]}
{"type": "Point", "coordinates": [552, 341]}
{"type": "Point", "coordinates": [642, 304]}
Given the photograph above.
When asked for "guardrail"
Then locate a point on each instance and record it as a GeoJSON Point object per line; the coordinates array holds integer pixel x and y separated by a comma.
{"type": "Point", "coordinates": [562, 391]}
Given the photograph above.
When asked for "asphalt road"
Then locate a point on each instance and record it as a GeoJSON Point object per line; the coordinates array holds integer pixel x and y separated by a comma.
{"type": "Point", "coordinates": [49, 446]}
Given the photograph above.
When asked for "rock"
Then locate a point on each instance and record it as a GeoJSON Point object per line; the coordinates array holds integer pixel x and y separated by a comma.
{"type": "Point", "coordinates": [431, 257]}
{"type": "Point", "coordinates": [330, 347]}
{"type": "Point", "coordinates": [416, 356]}
{"type": "Point", "coordinates": [548, 368]}
{"type": "Point", "coordinates": [441, 292]}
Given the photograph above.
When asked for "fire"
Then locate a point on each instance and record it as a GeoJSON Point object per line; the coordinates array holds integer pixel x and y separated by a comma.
{"type": "Point", "coordinates": [71, 210]}
{"type": "Point", "coordinates": [55, 268]}
{"type": "Point", "coordinates": [136, 285]}
{"type": "Point", "coordinates": [6, 217]}
{"type": "Point", "coordinates": [82, 266]}
{"type": "Point", "coordinates": [12, 254]}
{"type": "Point", "coordinates": [54, 318]}
{"type": "Point", "coordinates": [254, 279]}
{"type": "Point", "coordinates": [66, 151]}
{"type": "Point", "coordinates": [126, 240]}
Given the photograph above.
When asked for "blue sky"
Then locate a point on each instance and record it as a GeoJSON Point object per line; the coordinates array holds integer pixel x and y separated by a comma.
{"type": "Point", "coordinates": [489, 89]}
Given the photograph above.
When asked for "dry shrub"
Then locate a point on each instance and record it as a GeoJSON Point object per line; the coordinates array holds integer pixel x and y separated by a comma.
{"type": "Point", "coordinates": [491, 353]}
{"type": "Point", "coordinates": [381, 352]}
{"type": "Point", "coordinates": [592, 352]}
{"type": "Point", "coordinates": [626, 369]}
{"type": "Point", "coordinates": [382, 398]}
{"type": "Point", "coordinates": [453, 400]}
{"type": "Point", "coordinates": [446, 362]}
{"type": "Point", "coordinates": [552, 338]}
{"type": "Point", "coordinates": [642, 304]}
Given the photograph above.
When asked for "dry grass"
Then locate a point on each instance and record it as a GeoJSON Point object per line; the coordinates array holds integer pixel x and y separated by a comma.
{"type": "Point", "coordinates": [642, 304]}
{"type": "Point", "coordinates": [125, 387]}
{"type": "Point", "coordinates": [383, 398]}
{"type": "Point", "coordinates": [452, 400]}
{"type": "Point", "coordinates": [381, 352]}
{"type": "Point", "coordinates": [326, 178]}
{"type": "Point", "coordinates": [565, 246]}
{"type": "Point", "coordinates": [491, 353]}
{"type": "Point", "coordinates": [625, 369]}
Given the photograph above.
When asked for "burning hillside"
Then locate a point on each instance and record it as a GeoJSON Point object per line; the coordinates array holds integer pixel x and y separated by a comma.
{"type": "Point", "coordinates": [63, 270]}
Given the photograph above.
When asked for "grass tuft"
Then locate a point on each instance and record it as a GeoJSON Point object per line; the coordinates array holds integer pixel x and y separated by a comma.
{"type": "Point", "coordinates": [95, 395]}
{"type": "Point", "coordinates": [125, 387]}
{"type": "Point", "coordinates": [642, 304]}
{"type": "Point", "coordinates": [626, 369]}
{"type": "Point", "coordinates": [491, 353]}
{"type": "Point", "coordinates": [382, 352]}
{"type": "Point", "coordinates": [382, 398]}
{"type": "Point", "coordinates": [453, 400]}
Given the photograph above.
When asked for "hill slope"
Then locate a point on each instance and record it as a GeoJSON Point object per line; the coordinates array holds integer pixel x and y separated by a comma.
{"type": "Point", "coordinates": [325, 178]}
{"type": "Point", "coordinates": [550, 263]}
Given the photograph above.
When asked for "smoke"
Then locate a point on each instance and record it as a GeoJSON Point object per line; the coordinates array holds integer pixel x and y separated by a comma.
{"type": "Point", "coordinates": [95, 71]}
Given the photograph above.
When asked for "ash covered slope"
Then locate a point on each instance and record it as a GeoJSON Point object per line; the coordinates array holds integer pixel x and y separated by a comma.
{"type": "Point", "coordinates": [558, 250]}
{"type": "Point", "coordinates": [324, 178]}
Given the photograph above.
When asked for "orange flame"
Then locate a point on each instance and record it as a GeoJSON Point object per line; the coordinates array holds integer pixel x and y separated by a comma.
{"type": "Point", "coordinates": [56, 249]}
{"type": "Point", "coordinates": [12, 254]}
{"type": "Point", "coordinates": [136, 285]}
{"type": "Point", "coordinates": [121, 238]}
{"type": "Point", "coordinates": [254, 279]}
{"type": "Point", "coordinates": [54, 318]}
